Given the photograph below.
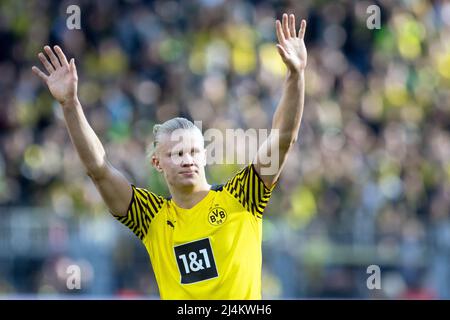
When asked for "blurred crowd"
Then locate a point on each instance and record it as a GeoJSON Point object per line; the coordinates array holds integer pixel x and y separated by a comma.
{"type": "Point", "coordinates": [368, 182]}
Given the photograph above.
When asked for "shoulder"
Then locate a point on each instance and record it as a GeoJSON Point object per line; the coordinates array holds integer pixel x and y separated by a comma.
{"type": "Point", "coordinates": [147, 200]}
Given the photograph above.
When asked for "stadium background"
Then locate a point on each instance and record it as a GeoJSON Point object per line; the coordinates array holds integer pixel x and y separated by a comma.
{"type": "Point", "coordinates": [367, 182]}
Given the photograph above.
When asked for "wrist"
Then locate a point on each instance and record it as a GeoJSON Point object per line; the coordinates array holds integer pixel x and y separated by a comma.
{"type": "Point", "coordinates": [69, 102]}
{"type": "Point", "coordinates": [295, 74]}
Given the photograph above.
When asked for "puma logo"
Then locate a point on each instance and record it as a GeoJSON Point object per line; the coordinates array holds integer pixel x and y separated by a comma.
{"type": "Point", "coordinates": [171, 224]}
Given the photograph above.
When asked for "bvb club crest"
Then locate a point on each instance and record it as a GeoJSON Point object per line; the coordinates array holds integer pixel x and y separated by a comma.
{"type": "Point", "coordinates": [217, 216]}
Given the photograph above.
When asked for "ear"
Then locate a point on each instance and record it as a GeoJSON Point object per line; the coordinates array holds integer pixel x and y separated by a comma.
{"type": "Point", "coordinates": [155, 163]}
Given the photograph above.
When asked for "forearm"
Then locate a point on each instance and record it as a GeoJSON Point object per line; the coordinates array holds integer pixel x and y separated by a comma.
{"type": "Point", "coordinates": [288, 115]}
{"type": "Point", "coordinates": [86, 142]}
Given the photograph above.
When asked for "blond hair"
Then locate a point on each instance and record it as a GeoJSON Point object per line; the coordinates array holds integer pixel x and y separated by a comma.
{"type": "Point", "coordinates": [167, 128]}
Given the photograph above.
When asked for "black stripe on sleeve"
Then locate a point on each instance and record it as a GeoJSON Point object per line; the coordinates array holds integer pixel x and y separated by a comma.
{"type": "Point", "coordinates": [143, 207]}
{"type": "Point", "coordinates": [249, 189]}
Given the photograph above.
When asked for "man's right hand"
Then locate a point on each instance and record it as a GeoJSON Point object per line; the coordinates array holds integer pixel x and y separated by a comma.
{"type": "Point", "coordinates": [63, 79]}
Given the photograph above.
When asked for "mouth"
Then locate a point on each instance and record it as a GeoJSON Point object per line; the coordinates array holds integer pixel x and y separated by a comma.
{"type": "Point", "coordinates": [188, 173]}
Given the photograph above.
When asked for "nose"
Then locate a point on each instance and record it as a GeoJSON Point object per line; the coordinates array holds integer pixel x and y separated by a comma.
{"type": "Point", "coordinates": [187, 160]}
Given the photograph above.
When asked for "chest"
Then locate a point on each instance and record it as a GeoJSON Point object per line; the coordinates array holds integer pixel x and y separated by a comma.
{"type": "Point", "coordinates": [217, 220]}
{"type": "Point", "coordinates": [200, 244]}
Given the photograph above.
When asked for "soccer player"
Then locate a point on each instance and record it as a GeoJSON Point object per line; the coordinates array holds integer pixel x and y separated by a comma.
{"type": "Point", "coordinates": [204, 242]}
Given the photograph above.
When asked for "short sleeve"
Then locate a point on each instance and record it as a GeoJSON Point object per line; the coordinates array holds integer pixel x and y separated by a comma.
{"type": "Point", "coordinates": [143, 208]}
{"type": "Point", "coordinates": [249, 189]}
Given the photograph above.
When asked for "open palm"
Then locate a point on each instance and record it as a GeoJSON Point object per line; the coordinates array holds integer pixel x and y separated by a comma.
{"type": "Point", "coordinates": [63, 79]}
{"type": "Point", "coordinates": [291, 46]}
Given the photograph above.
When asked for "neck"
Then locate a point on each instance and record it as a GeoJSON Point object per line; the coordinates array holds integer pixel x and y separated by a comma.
{"type": "Point", "coordinates": [188, 197]}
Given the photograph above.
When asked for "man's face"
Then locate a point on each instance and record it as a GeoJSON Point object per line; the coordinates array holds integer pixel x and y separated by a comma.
{"type": "Point", "coordinates": [181, 157]}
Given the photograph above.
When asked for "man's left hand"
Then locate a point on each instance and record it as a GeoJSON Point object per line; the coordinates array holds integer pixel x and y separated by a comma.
{"type": "Point", "coordinates": [291, 46]}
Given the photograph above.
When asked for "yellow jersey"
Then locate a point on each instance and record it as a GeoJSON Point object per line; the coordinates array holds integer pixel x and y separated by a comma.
{"type": "Point", "coordinates": [210, 251]}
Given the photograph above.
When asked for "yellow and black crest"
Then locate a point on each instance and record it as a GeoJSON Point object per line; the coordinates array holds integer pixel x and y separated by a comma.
{"type": "Point", "coordinates": [217, 216]}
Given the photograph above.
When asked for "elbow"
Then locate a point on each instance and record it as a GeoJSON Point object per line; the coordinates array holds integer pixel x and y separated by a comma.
{"type": "Point", "coordinates": [287, 141]}
{"type": "Point", "coordinates": [96, 172]}
{"type": "Point", "coordinates": [287, 144]}
{"type": "Point", "coordinates": [97, 168]}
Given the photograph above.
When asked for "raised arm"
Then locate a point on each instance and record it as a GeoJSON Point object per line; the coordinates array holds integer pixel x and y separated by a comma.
{"type": "Point", "coordinates": [271, 156]}
{"type": "Point", "coordinates": [62, 82]}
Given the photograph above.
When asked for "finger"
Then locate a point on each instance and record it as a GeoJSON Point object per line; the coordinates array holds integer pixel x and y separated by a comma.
{"type": "Point", "coordinates": [73, 68]}
{"type": "Point", "coordinates": [282, 52]}
{"type": "Point", "coordinates": [292, 25]}
{"type": "Point", "coordinates": [280, 34]}
{"type": "Point", "coordinates": [39, 73]}
{"type": "Point", "coordinates": [48, 66]}
{"type": "Point", "coordinates": [301, 33]}
{"type": "Point", "coordinates": [285, 26]}
{"type": "Point", "coordinates": [61, 56]}
{"type": "Point", "coordinates": [52, 57]}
